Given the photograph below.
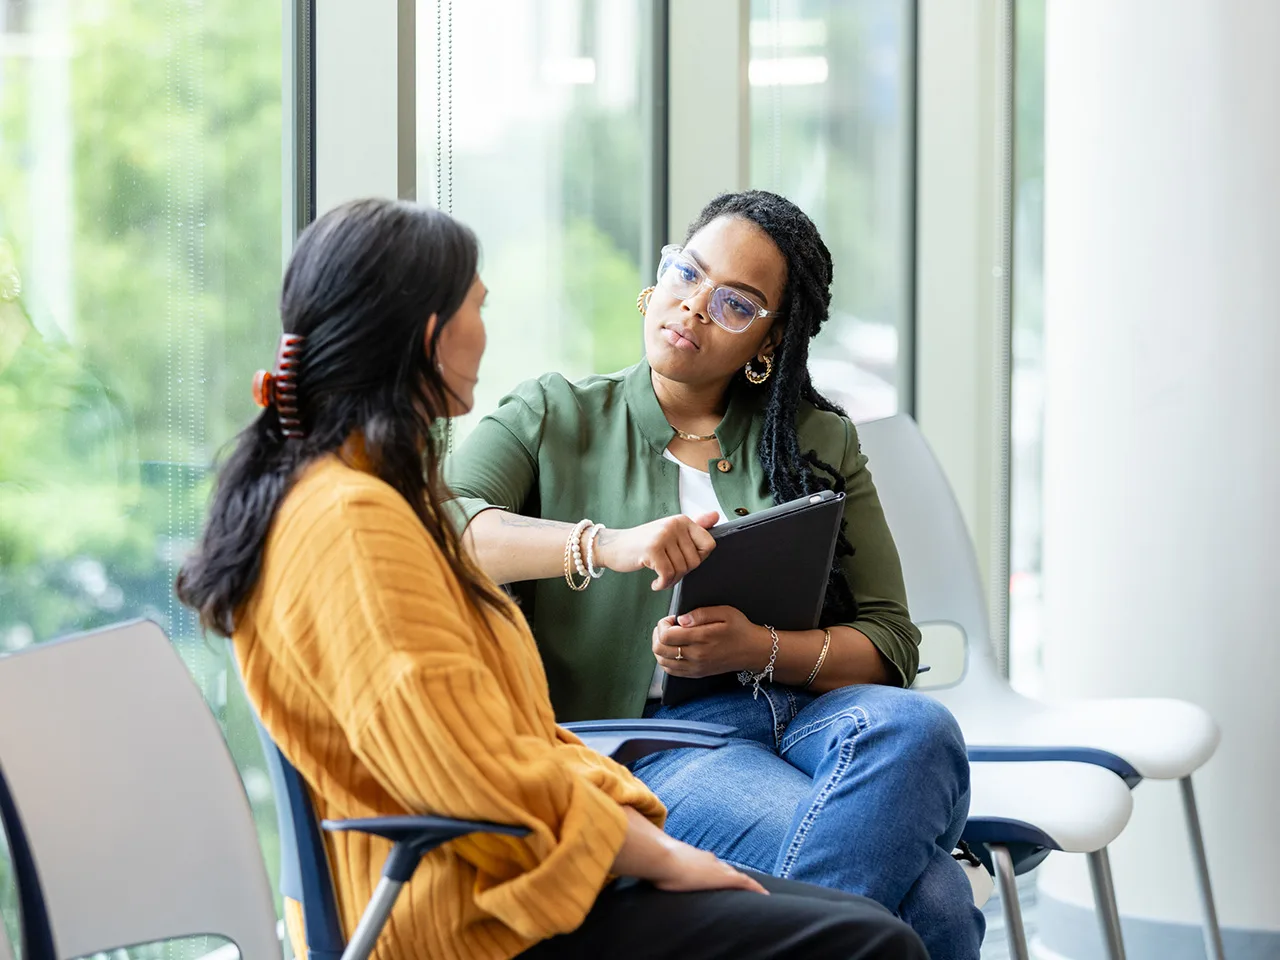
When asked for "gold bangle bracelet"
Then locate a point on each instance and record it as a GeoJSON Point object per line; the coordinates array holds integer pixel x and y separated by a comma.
{"type": "Point", "coordinates": [826, 644]}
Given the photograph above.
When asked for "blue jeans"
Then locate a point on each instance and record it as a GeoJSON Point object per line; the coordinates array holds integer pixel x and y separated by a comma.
{"type": "Point", "coordinates": [864, 789]}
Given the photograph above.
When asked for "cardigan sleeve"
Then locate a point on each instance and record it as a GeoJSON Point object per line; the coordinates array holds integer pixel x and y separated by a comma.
{"type": "Point", "coordinates": [874, 572]}
{"type": "Point", "coordinates": [438, 731]}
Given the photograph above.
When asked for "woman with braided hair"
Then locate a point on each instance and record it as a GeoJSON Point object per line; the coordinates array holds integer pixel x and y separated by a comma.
{"type": "Point", "coordinates": [838, 775]}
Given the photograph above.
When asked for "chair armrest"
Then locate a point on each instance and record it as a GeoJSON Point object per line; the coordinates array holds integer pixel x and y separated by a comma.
{"type": "Point", "coordinates": [651, 726]}
{"type": "Point", "coordinates": [415, 836]}
{"type": "Point", "coordinates": [1032, 753]}
{"type": "Point", "coordinates": [626, 741]}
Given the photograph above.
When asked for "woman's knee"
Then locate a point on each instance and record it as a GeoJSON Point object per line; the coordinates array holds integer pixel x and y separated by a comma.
{"type": "Point", "coordinates": [902, 714]}
{"type": "Point", "coordinates": [928, 720]}
{"type": "Point", "coordinates": [896, 724]}
{"type": "Point", "coordinates": [924, 730]}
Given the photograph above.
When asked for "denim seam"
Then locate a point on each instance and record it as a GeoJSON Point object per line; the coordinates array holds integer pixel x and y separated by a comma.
{"type": "Point", "coordinates": [779, 724]}
{"type": "Point", "coordinates": [795, 736]}
{"type": "Point", "coordinates": [847, 749]}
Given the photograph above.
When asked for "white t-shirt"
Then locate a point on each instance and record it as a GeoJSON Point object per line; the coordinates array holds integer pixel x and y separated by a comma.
{"type": "Point", "coordinates": [697, 497]}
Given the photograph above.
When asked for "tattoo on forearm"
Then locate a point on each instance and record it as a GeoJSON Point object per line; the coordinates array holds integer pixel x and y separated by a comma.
{"type": "Point", "coordinates": [519, 520]}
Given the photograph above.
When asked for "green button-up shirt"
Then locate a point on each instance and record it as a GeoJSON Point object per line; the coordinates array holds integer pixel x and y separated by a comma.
{"type": "Point", "coordinates": [565, 451]}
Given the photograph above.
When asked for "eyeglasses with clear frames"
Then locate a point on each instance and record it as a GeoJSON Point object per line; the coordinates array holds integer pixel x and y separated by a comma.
{"type": "Point", "coordinates": [730, 308]}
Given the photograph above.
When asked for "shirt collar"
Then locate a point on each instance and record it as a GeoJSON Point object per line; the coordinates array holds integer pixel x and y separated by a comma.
{"type": "Point", "coordinates": [646, 410]}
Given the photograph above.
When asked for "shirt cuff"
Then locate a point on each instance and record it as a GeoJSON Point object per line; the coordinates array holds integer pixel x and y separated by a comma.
{"type": "Point", "coordinates": [902, 655]}
{"type": "Point", "coordinates": [462, 510]}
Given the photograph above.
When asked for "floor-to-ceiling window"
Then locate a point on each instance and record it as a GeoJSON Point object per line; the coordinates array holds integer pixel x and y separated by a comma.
{"type": "Point", "coordinates": [140, 219]}
{"type": "Point", "coordinates": [832, 128]}
{"type": "Point", "coordinates": [532, 130]}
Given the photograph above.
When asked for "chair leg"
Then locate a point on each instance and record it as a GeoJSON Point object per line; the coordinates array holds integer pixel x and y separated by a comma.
{"type": "Point", "coordinates": [1015, 933]}
{"type": "Point", "coordinates": [374, 918]}
{"type": "Point", "coordinates": [1212, 933]}
{"type": "Point", "coordinates": [1104, 895]}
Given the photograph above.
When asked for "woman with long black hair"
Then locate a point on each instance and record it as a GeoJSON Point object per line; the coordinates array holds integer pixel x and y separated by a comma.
{"type": "Point", "coordinates": [397, 678]}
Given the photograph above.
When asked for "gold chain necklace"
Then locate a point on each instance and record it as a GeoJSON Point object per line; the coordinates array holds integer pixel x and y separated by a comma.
{"type": "Point", "coordinates": [692, 436]}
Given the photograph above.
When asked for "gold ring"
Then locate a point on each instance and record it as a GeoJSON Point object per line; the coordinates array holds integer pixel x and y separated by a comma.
{"type": "Point", "coordinates": [679, 653]}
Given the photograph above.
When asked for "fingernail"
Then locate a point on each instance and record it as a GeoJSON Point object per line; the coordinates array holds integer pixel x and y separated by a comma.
{"type": "Point", "coordinates": [686, 620]}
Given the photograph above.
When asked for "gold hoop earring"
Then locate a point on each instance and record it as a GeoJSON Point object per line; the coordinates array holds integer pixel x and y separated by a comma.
{"type": "Point", "coordinates": [642, 301]}
{"type": "Point", "coordinates": [758, 377]}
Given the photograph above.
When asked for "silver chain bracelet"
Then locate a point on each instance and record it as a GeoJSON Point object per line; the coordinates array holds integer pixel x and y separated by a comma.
{"type": "Point", "coordinates": [747, 678]}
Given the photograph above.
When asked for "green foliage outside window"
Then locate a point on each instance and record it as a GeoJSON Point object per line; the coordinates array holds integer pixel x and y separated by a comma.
{"type": "Point", "coordinates": [166, 230]}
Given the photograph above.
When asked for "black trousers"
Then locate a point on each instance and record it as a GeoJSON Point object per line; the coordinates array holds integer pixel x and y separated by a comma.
{"type": "Point", "coordinates": [635, 921]}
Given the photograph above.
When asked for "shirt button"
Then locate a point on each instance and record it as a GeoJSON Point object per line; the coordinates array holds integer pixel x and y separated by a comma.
{"type": "Point", "coordinates": [742, 511]}
{"type": "Point", "coordinates": [724, 466]}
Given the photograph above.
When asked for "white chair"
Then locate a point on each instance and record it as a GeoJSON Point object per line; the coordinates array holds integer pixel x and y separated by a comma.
{"type": "Point", "coordinates": [1022, 812]}
{"type": "Point", "coordinates": [1059, 800]}
{"type": "Point", "coordinates": [132, 819]}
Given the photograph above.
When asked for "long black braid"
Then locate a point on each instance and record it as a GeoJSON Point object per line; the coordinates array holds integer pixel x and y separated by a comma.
{"type": "Point", "coordinates": [805, 306]}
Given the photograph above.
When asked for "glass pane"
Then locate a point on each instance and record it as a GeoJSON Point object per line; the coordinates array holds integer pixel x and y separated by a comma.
{"type": "Point", "coordinates": [1027, 401]}
{"type": "Point", "coordinates": [531, 131]}
{"type": "Point", "coordinates": [140, 244]}
{"type": "Point", "coordinates": [831, 130]}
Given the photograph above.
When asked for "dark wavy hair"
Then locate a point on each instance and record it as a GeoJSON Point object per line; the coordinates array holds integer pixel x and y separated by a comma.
{"type": "Point", "coordinates": [805, 306]}
{"type": "Point", "coordinates": [362, 283]}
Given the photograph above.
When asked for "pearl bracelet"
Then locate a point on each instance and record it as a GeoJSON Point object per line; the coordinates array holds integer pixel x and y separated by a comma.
{"type": "Point", "coordinates": [573, 558]}
{"type": "Point", "coordinates": [591, 535]}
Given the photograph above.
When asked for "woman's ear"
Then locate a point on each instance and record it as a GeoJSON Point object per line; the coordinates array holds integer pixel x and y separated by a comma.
{"type": "Point", "coordinates": [772, 341]}
{"type": "Point", "coordinates": [432, 322]}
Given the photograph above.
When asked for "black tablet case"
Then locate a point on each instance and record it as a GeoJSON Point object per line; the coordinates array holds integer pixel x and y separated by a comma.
{"type": "Point", "coordinates": [773, 566]}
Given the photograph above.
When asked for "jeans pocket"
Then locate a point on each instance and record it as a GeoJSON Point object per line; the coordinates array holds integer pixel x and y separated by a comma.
{"type": "Point", "coordinates": [784, 704]}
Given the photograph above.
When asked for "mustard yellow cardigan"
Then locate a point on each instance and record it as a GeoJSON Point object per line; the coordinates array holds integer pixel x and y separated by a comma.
{"type": "Point", "coordinates": [381, 685]}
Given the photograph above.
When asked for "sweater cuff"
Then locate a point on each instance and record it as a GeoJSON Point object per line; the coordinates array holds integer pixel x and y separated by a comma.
{"type": "Point", "coordinates": [556, 897]}
{"type": "Point", "coordinates": [617, 782]}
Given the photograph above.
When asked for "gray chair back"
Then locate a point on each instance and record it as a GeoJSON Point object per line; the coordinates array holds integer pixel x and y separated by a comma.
{"type": "Point", "coordinates": [132, 808]}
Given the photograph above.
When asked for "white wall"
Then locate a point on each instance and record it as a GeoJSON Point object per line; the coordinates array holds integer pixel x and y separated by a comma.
{"type": "Point", "coordinates": [1162, 433]}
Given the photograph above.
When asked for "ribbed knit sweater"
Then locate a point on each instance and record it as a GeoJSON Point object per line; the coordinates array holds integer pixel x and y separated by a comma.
{"type": "Point", "coordinates": [382, 686]}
